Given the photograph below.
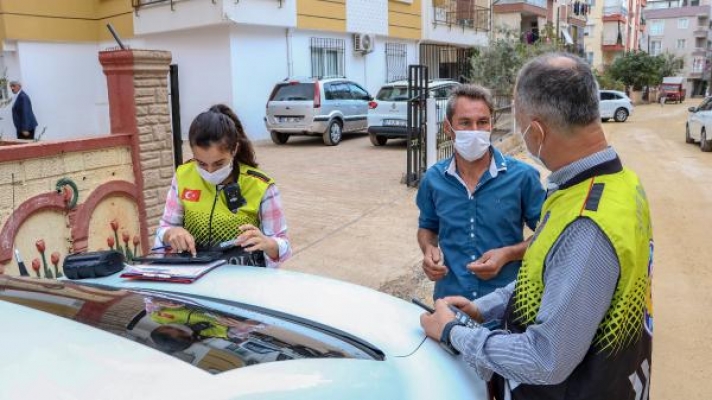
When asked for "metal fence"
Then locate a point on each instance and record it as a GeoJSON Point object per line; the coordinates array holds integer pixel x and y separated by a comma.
{"type": "Point", "coordinates": [327, 57]}
{"type": "Point", "coordinates": [446, 62]}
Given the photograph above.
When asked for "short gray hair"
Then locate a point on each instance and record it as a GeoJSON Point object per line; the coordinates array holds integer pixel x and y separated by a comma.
{"type": "Point", "coordinates": [558, 88]}
{"type": "Point", "coordinates": [470, 91]}
{"type": "Point", "coordinates": [15, 83]}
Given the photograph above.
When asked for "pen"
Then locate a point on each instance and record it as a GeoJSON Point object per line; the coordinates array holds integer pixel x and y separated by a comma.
{"type": "Point", "coordinates": [168, 246]}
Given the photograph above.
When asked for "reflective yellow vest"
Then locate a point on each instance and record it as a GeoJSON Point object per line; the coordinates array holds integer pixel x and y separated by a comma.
{"type": "Point", "coordinates": [617, 365]}
{"type": "Point", "coordinates": [207, 216]}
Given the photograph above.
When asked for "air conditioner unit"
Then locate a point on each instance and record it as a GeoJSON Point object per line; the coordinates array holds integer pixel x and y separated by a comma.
{"type": "Point", "coordinates": [364, 42]}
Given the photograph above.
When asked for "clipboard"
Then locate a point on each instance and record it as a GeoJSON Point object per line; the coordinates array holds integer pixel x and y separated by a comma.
{"type": "Point", "coordinates": [202, 257]}
{"type": "Point", "coordinates": [177, 273]}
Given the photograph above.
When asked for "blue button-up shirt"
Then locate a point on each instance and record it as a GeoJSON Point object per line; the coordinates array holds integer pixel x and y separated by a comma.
{"type": "Point", "coordinates": [508, 195]}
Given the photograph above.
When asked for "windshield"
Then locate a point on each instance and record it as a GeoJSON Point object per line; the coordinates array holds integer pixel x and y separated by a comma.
{"type": "Point", "coordinates": [293, 92]}
{"type": "Point", "coordinates": [210, 335]}
{"type": "Point", "coordinates": [393, 93]}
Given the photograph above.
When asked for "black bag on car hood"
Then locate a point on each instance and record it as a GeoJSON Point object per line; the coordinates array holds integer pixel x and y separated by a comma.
{"type": "Point", "coordinates": [93, 264]}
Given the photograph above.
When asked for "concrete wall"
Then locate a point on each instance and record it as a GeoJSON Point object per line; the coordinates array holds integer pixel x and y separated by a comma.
{"type": "Point", "coordinates": [204, 67]}
{"type": "Point", "coordinates": [66, 86]}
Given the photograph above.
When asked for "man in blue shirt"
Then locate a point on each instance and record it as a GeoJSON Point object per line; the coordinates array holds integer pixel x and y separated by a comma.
{"type": "Point", "coordinates": [473, 206]}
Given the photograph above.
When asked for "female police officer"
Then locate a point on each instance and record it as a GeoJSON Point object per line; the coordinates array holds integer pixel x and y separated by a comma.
{"type": "Point", "coordinates": [220, 196]}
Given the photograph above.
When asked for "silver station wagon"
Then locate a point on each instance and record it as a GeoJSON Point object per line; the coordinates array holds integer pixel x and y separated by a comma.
{"type": "Point", "coordinates": [323, 107]}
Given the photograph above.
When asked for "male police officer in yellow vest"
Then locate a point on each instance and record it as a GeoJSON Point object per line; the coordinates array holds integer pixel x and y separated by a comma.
{"type": "Point", "coordinates": [577, 322]}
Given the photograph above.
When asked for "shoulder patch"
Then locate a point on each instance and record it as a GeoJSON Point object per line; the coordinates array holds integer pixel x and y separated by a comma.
{"type": "Point", "coordinates": [258, 175]}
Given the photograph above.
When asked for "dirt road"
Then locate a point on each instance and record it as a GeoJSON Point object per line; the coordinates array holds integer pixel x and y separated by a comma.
{"type": "Point", "coordinates": [678, 180]}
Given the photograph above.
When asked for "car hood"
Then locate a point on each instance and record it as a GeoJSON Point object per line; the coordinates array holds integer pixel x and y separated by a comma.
{"type": "Point", "coordinates": [394, 324]}
{"type": "Point", "coordinates": [65, 360]}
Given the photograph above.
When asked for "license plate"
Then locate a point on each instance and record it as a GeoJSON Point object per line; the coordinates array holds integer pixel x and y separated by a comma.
{"type": "Point", "coordinates": [289, 119]}
{"type": "Point", "coordinates": [394, 122]}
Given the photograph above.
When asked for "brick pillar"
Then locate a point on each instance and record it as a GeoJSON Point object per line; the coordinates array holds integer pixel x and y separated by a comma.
{"type": "Point", "coordinates": [137, 83]}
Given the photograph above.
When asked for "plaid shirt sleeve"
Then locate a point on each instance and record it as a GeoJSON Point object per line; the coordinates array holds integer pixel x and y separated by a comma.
{"type": "Point", "coordinates": [172, 214]}
{"type": "Point", "coordinates": [274, 225]}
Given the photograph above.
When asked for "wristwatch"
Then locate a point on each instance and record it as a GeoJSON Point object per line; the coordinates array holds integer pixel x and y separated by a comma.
{"type": "Point", "coordinates": [460, 319]}
{"type": "Point", "coordinates": [445, 342]}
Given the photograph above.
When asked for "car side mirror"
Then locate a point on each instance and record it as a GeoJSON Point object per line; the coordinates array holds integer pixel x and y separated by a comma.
{"type": "Point", "coordinates": [692, 109]}
{"type": "Point", "coordinates": [368, 98]}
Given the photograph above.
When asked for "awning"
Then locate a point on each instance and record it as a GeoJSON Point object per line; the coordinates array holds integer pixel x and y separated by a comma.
{"type": "Point", "coordinates": [567, 36]}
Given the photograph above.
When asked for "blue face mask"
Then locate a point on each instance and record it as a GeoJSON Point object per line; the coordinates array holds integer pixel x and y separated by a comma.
{"type": "Point", "coordinates": [537, 158]}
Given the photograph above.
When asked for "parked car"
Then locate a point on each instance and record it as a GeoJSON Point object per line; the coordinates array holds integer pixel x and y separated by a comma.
{"type": "Point", "coordinates": [236, 333]}
{"type": "Point", "coordinates": [699, 125]}
{"type": "Point", "coordinates": [388, 112]}
{"type": "Point", "coordinates": [324, 107]}
{"type": "Point", "coordinates": [614, 104]}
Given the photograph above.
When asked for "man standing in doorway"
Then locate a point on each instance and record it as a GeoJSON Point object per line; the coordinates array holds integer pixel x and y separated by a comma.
{"type": "Point", "coordinates": [22, 115]}
{"type": "Point", "coordinates": [474, 205]}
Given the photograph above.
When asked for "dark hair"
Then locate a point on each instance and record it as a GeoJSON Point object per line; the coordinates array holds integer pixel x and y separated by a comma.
{"type": "Point", "coordinates": [470, 91]}
{"type": "Point", "coordinates": [171, 339]}
{"type": "Point", "coordinates": [558, 88]}
{"type": "Point", "coordinates": [219, 125]}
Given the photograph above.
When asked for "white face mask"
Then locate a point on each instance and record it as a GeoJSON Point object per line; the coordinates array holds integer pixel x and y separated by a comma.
{"type": "Point", "coordinates": [471, 145]}
{"type": "Point", "coordinates": [216, 177]}
{"type": "Point", "coordinates": [537, 157]}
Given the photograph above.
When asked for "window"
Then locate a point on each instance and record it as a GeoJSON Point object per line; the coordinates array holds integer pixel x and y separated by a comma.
{"type": "Point", "coordinates": [680, 43]}
{"type": "Point", "coordinates": [588, 30]}
{"type": "Point", "coordinates": [698, 64]}
{"type": "Point", "coordinates": [396, 62]}
{"type": "Point", "coordinates": [655, 47]}
{"type": "Point", "coordinates": [682, 23]}
{"type": "Point", "coordinates": [657, 27]}
{"type": "Point", "coordinates": [337, 91]}
{"type": "Point", "coordinates": [327, 57]}
{"type": "Point", "coordinates": [358, 93]}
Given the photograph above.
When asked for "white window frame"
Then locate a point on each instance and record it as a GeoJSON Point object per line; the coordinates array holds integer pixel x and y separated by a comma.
{"type": "Point", "coordinates": [656, 51]}
{"type": "Point", "coordinates": [657, 27]}
{"type": "Point", "coordinates": [683, 23]}
{"type": "Point", "coordinates": [681, 43]}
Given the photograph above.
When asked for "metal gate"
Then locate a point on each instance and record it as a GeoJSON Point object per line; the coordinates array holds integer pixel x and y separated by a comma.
{"type": "Point", "coordinates": [417, 119]}
{"type": "Point", "coordinates": [446, 62]}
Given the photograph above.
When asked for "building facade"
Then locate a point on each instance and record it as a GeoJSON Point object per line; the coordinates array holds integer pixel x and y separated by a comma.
{"type": "Point", "coordinates": [51, 47]}
{"type": "Point", "coordinates": [613, 28]}
{"type": "Point", "coordinates": [226, 51]}
{"type": "Point", "coordinates": [683, 29]}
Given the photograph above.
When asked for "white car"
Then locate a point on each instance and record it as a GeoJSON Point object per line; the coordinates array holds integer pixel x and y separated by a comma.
{"type": "Point", "coordinates": [699, 125]}
{"type": "Point", "coordinates": [614, 104]}
{"type": "Point", "coordinates": [236, 333]}
{"type": "Point", "coordinates": [388, 112]}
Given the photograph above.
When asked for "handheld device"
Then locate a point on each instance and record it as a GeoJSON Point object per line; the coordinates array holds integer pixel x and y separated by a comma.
{"type": "Point", "coordinates": [422, 305]}
{"type": "Point", "coordinates": [180, 258]}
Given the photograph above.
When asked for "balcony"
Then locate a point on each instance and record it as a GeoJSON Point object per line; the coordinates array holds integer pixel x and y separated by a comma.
{"type": "Point", "coordinates": [573, 19]}
{"type": "Point", "coordinates": [524, 7]}
{"type": "Point", "coordinates": [612, 41]}
{"type": "Point", "coordinates": [701, 32]}
{"type": "Point", "coordinates": [462, 13]}
{"type": "Point", "coordinates": [615, 13]}
{"type": "Point", "coordinates": [700, 51]}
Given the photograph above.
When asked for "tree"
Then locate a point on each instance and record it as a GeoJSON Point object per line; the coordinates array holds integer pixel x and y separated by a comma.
{"type": "Point", "coordinates": [497, 65]}
{"type": "Point", "coordinates": [636, 70]}
{"type": "Point", "coordinates": [669, 65]}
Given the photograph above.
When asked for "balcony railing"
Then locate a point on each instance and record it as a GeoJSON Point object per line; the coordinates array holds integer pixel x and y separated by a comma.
{"type": "Point", "coordinates": [464, 13]}
{"type": "Point", "coordinates": [701, 32]}
{"type": "Point", "coordinates": [615, 10]}
{"type": "Point", "coordinates": [536, 3]}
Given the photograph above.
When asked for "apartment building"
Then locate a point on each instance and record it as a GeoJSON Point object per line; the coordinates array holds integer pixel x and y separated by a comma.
{"type": "Point", "coordinates": [51, 47]}
{"type": "Point", "coordinates": [227, 51]}
{"type": "Point", "coordinates": [533, 20]}
{"type": "Point", "coordinates": [683, 29]}
{"type": "Point", "coordinates": [613, 28]}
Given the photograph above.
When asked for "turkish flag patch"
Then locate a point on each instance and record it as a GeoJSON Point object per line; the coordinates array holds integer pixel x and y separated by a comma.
{"type": "Point", "coordinates": [190, 195]}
